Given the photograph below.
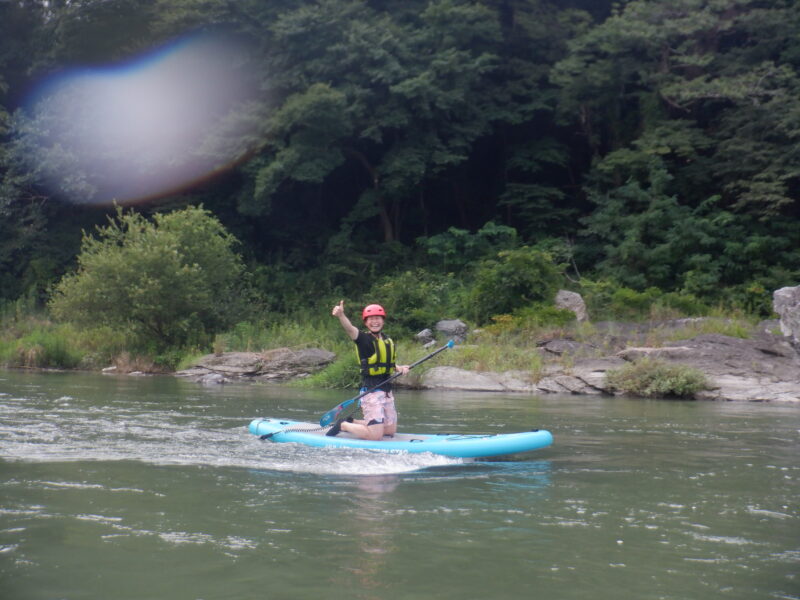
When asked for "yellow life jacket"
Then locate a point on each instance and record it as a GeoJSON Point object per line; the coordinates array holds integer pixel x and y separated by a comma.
{"type": "Point", "coordinates": [382, 360]}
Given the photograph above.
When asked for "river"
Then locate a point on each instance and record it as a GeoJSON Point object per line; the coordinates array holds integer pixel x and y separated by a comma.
{"type": "Point", "coordinates": [152, 488]}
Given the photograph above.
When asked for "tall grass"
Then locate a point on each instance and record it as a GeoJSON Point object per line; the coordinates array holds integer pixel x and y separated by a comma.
{"type": "Point", "coordinates": [254, 336]}
{"type": "Point", "coordinates": [28, 338]}
{"type": "Point", "coordinates": [43, 347]}
{"type": "Point", "coordinates": [652, 378]}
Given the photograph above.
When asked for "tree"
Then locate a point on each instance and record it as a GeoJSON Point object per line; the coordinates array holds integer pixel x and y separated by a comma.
{"type": "Point", "coordinates": [691, 110]}
{"type": "Point", "coordinates": [172, 282]}
{"type": "Point", "coordinates": [395, 101]}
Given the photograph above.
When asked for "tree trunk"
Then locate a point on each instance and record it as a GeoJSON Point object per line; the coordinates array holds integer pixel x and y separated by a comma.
{"type": "Point", "coordinates": [386, 221]}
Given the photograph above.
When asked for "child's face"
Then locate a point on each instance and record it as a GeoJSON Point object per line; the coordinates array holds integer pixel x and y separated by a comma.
{"type": "Point", "coordinates": [374, 323]}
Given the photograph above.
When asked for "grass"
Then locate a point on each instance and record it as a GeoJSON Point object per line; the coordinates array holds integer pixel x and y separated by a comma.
{"type": "Point", "coordinates": [29, 339]}
{"type": "Point", "coordinates": [657, 379]}
{"type": "Point", "coordinates": [738, 327]}
{"type": "Point", "coordinates": [45, 346]}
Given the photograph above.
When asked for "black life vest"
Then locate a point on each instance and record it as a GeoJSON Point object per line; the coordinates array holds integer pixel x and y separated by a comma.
{"type": "Point", "coordinates": [382, 361]}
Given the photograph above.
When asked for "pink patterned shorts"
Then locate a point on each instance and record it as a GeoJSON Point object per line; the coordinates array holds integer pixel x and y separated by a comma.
{"type": "Point", "coordinates": [378, 407]}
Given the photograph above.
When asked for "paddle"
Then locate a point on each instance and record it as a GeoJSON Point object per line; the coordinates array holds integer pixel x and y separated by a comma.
{"type": "Point", "coordinates": [348, 407]}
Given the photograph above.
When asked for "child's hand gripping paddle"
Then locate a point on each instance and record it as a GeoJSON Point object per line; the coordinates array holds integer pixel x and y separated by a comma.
{"type": "Point", "coordinates": [346, 408]}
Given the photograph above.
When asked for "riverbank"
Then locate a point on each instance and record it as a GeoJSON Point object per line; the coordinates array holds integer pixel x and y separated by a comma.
{"type": "Point", "coordinates": [761, 366]}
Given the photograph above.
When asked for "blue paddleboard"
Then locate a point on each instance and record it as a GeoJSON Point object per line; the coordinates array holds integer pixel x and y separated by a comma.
{"type": "Point", "coordinates": [455, 445]}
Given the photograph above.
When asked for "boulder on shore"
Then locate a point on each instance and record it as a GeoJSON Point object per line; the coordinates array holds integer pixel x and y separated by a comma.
{"type": "Point", "coordinates": [763, 368]}
{"type": "Point", "coordinates": [574, 302]}
{"type": "Point", "coordinates": [786, 303]}
{"type": "Point", "coordinates": [454, 329]}
{"type": "Point", "coordinates": [280, 364]}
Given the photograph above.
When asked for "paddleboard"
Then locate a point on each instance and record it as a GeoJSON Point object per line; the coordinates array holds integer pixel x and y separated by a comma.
{"type": "Point", "coordinates": [455, 445]}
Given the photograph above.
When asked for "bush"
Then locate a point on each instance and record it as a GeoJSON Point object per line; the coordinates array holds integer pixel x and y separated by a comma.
{"type": "Point", "coordinates": [456, 248]}
{"type": "Point", "coordinates": [606, 301]}
{"type": "Point", "coordinates": [170, 283]}
{"type": "Point", "coordinates": [531, 318]}
{"type": "Point", "coordinates": [516, 278]}
{"type": "Point", "coordinates": [415, 300]}
{"type": "Point", "coordinates": [341, 374]}
{"type": "Point", "coordinates": [657, 379]}
{"type": "Point", "coordinates": [44, 347]}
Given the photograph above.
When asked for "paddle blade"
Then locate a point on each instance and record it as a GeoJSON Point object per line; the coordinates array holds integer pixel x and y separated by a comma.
{"type": "Point", "coordinates": [333, 414]}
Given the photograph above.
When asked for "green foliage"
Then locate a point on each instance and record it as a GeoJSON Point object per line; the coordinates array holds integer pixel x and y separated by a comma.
{"type": "Point", "coordinates": [538, 206]}
{"type": "Point", "coordinates": [417, 299]}
{"type": "Point", "coordinates": [401, 94]}
{"type": "Point", "coordinates": [530, 319]}
{"type": "Point", "coordinates": [302, 134]}
{"type": "Point", "coordinates": [607, 301]}
{"type": "Point", "coordinates": [457, 248]}
{"type": "Point", "coordinates": [496, 356]}
{"type": "Point", "coordinates": [342, 374]}
{"type": "Point", "coordinates": [313, 325]}
{"type": "Point", "coordinates": [514, 279]}
{"type": "Point", "coordinates": [689, 187]}
{"type": "Point", "coordinates": [655, 140]}
{"type": "Point", "coordinates": [657, 379]}
{"type": "Point", "coordinates": [44, 347]}
{"type": "Point", "coordinates": [170, 283]}
{"type": "Point", "coordinates": [731, 327]}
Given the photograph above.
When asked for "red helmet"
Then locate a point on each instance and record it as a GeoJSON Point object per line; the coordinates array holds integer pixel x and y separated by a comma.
{"type": "Point", "coordinates": [373, 310]}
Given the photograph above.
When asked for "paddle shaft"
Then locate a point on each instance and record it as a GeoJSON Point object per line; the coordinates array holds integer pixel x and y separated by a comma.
{"type": "Point", "coordinates": [338, 411]}
{"type": "Point", "coordinates": [411, 366]}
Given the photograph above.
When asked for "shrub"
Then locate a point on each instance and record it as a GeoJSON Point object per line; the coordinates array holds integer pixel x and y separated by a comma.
{"type": "Point", "coordinates": [44, 347]}
{"type": "Point", "coordinates": [342, 373]}
{"type": "Point", "coordinates": [657, 379]}
{"type": "Point", "coordinates": [457, 248]}
{"type": "Point", "coordinates": [530, 318]}
{"type": "Point", "coordinates": [488, 356]}
{"type": "Point", "coordinates": [514, 279]}
{"type": "Point", "coordinates": [684, 304]}
{"type": "Point", "coordinates": [731, 327]}
{"type": "Point", "coordinates": [170, 283]}
{"type": "Point", "coordinates": [415, 300]}
{"type": "Point", "coordinates": [606, 301]}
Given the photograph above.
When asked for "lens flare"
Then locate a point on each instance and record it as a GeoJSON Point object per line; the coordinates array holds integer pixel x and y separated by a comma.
{"type": "Point", "coordinates": [145, 128]}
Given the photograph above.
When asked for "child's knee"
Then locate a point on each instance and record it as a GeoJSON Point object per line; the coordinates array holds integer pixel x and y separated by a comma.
{"type": "Point", "coordinates": [375, 433]}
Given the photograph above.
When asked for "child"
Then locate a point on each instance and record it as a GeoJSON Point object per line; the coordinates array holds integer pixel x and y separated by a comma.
{"type": "Point", "coordinates": [376, 355]}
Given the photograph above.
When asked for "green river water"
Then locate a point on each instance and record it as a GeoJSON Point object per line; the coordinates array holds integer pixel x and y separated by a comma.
{"type": "Point", "coordinates": [152, 488]}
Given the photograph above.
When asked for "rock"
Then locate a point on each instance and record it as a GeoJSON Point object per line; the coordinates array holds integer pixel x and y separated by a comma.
{"type": "Point", "coordinates": [669, 353]}
{"type": "Point", "coordinates": [771, 326]}
{"type": "Point", "coordinates": [516, 381]}
{"type": "Point", "coordinates": [280, 364]}
{"type": "Point", "coordinates": [233, 363]}
{"type": "Point", "coordinates": [593, 373]}
{"type": "Point", "coordinates": [761, 369]}
{"type": "Point", "coordinates": [213, 379]}
{"type": "Point", "coordinates": [585, 378]}
{"type": "Point", "coordinates": [425, 337]}
{"type": "Point", "coordinates": [786, 303]}
{"type": "Point", "coordinates": [764, 368]}
{"type": "Point", "coordinates": [563, 347]}
{"type": "Point", "coordinates": [453, 329]}
{"type": "Point", "coordinates": [574, 302]}
{"type": "Point", "coordinates": [193, 373]}
{"type": "Point", "coordinates": [451, 378]}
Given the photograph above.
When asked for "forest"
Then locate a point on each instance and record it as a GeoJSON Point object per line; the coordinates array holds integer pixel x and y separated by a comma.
{"type": "Point", "coordinates": [428, 154]}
